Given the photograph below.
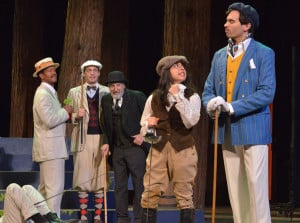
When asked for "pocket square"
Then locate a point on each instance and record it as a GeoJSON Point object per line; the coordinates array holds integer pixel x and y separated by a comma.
{"type": "Point", "coordinates": [252, 64]}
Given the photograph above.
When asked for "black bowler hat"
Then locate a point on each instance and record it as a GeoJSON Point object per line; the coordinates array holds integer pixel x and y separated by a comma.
{"type": "Point", "coordinates": [248, 11]}
{"type": "Point", "coordinates": [116, 77]}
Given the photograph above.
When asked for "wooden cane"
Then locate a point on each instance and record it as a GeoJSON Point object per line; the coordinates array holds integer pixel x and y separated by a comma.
{"type": "Point", "coordinates": [213, 213]}
{"type": "Point", "coordinates": [81, 106]}
{"type": "Point", "coordinates": [105, 191]}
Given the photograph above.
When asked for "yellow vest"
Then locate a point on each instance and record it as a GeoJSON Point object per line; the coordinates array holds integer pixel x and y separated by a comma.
{"type": "Point", "coordinates": [232, 70]}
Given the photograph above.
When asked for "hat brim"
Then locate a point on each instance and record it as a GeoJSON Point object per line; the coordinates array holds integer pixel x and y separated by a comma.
{"type": "Point", "coordinates": [116, 81]}
{"type": "Point", "coordinates": [184, 61]}
{"type": "Point", "coordinates": [35, 74]}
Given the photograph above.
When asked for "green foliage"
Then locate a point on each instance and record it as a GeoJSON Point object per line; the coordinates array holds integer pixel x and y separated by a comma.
{"type": "Point", "coordinates": [68, 101]}
{"type": "Point", "coordinates": [2, 196]}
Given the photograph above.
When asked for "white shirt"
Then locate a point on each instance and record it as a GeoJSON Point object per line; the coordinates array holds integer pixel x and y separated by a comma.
{"type": "Point", "coordinates": [189, 109]}
{"type": "Point", "coordinates": [92, 92]}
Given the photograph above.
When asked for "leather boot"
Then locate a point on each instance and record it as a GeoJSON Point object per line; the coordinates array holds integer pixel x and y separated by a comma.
{"type": "Point", "coordinates": [37, 218]}
{"type": "Point", "coordinates": [148, 215]}
{"type": "Point", "coordinates": [187, 215]}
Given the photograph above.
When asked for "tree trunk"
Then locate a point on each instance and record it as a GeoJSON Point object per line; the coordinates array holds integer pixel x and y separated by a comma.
{"type": "Point", "coordinates": [186, 32]}
{"type": "Point", "coordinates": [115, 38]}
{"type": "Point", "coordinates": [27, 46]}
{"type": "Point", "coordinates": [83, 36]}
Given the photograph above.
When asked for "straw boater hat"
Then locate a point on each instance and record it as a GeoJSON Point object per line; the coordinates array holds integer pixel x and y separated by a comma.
{"type": "Point", "coordinates": [166, 62]}
{"type": "Point", "coordinates": [90, 63]}
{"type": "Point", "coordinates": [43, 64]}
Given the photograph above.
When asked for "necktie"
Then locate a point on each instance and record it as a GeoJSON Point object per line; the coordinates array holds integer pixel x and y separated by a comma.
{"type": "Point", "coordinates": [117, 107]}
{"type": "Point", "coordinates": [91, 87]}
{"type": "Point", "coordinates": [231, 44]}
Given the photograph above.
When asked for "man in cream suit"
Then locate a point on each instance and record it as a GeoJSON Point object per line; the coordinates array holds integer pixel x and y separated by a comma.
{"type": "Point", "coordinates": [89, 175]}
{"type": "Point", "coordinates": [241, 85]}
{"type": "Point", "coordinates": [23, 203]}
{"type": "Point", "coordinates": [49, 146]}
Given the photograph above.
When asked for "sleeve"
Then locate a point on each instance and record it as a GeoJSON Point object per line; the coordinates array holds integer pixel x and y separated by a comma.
{"type": "Point", "coordinates": [147, 112]}
{"type": "Point", "coordinates": [50, 110]}
{"type": "Point", "coordinates": [189, 109]}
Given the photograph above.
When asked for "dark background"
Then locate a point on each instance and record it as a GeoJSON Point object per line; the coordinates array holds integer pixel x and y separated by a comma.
{"type": "Point", "coordinates": [279, 21]}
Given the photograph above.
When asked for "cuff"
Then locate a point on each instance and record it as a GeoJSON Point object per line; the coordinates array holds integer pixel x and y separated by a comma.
{"type": "Point", "coordinates": [231, 111]}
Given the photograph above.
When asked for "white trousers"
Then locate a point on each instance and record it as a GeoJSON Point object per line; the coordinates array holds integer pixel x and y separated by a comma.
{"type": "Point", "coordinates": [20, 203]}
{"type": "Point", "coordinates": [52, 181]}
{"type": "Point", "coordinates": [246, 169]}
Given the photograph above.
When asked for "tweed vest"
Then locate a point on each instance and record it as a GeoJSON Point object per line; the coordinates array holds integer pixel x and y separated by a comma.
{"type": "Point", "coordinates": [94, 124]}
{"type": "Point", "coordinates": [170, 127]}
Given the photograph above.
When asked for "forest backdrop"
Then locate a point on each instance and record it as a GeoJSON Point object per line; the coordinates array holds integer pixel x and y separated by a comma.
{"type": "Point", "coordinates": [132, 35]}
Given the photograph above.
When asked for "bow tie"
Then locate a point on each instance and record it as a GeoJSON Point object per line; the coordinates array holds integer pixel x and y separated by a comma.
{"type": "Point", "coordinates": [91, 88]}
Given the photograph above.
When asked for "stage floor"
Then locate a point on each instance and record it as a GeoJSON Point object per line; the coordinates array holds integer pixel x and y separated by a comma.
{"type": "Point", "coordinates": [224, 215]}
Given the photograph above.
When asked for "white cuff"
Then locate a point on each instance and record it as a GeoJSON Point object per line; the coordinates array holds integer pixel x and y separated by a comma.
{"type": "Point", "coordinates": [231, 111]}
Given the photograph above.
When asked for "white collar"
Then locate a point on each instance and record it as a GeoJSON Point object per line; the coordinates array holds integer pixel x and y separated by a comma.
{"type": "Point", "coordinates": [240, 48]}
{"type": "Point", "coordinates": [50, 87]}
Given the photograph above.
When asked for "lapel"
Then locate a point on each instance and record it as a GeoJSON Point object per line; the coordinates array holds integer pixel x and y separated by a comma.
{"type": "Point", "coordinates": [54, 96]}
{"type": "Point", "coordinates": [125, 104]}
{"type": "Point", "coordinates": [222, 70]}
{"type": "Point", "coordinates": [84, 102]}
{"type": "Point", "coordinates": [102, 92]}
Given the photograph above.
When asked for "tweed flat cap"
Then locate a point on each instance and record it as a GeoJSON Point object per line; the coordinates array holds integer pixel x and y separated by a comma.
{"type": "Point", "coordinates": [248, 11]}
{"type": "Point", "coordinates": [166, 62]}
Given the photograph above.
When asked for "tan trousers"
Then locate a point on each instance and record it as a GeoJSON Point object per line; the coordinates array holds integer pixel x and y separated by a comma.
{"type": "Point", "coordinates": [170, 165]}
{"type": "Point", "coordinates": [89, 172]}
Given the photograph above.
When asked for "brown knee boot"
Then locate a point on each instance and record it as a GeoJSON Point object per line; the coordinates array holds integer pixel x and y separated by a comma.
{"type": "Point", "coordinates": [187, 215]}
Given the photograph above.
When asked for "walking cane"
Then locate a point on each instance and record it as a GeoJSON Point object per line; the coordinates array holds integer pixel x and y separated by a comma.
{"type": "Point", "coordinates": [105, 191]}
{"type": "Point", "coordinates": [81, 121]}
{"type": "Point", "coordinates": [215, 167]}
{"type": "Point", "coordinates": [152, 138]}
{"type": "Point", "coordinates": [149, 181]}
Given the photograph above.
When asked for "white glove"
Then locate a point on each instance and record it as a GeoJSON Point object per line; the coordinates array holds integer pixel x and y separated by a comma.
{"type": "Point", "coordinates": [211, 106]}
{"type": "Point", "coordinates": [222, 105]}
{"type": "Point", "coordinates": [217, 103]}
{"type": "Point", "coordinates": [214, 103]}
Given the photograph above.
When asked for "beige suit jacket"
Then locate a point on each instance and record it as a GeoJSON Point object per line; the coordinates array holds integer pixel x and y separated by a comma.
{"type": "Point", "coordinates": [49, 126]}
{"type": "Point", "coordinates": [75, 96]}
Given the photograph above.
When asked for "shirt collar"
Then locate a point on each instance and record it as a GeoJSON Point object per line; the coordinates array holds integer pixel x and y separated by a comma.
{"type": "Point", "coordinates": [240, 48]}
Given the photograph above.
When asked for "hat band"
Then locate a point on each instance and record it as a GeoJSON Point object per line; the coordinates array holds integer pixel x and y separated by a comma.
{"type": "Point", "coordinates": [45, 64]}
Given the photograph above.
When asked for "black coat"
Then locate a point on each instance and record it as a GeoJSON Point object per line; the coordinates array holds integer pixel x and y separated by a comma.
{"type": "Point", "coordinates": [132, 109]}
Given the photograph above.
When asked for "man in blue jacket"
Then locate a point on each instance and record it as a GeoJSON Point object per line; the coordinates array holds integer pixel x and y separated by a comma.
{"type": "Point", "coordinates": [241, 86]}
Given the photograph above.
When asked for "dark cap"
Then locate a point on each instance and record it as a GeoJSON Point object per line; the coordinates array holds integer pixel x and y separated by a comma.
{"type": "Point", "coordinates": [248, 11]}
{"type": "Point", "coordinates": [116, 77]}
{"type": "Point", "coordinates": [166, 62]}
